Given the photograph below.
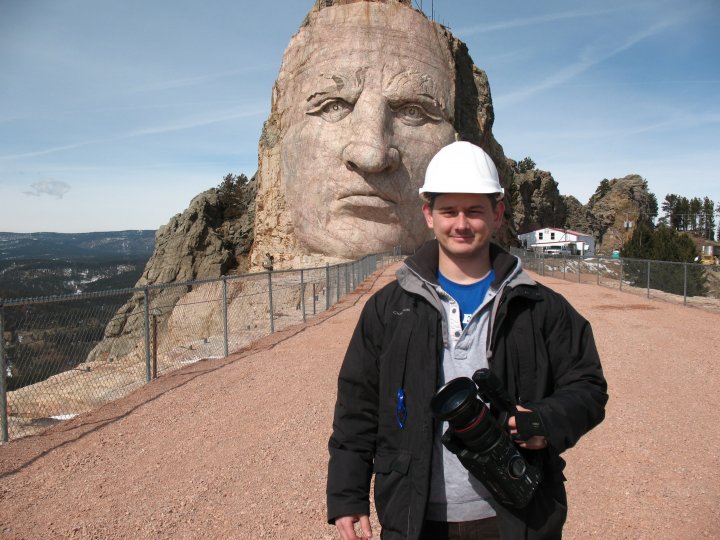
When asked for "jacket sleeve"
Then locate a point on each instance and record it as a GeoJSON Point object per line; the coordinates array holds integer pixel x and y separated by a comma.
{"type": "Point", "coordinates": [352, 443]}
{"type": "Point", "coordinates": [577, 403]}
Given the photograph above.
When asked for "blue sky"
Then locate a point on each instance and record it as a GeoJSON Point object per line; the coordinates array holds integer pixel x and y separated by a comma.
{"type": "Point", "coordinates": [114, 115]}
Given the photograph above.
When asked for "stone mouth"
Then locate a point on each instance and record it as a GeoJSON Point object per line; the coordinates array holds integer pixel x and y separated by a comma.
{"type": "Point", "coordinates": [371, 200]}
{"type": "Point", "coordinates": [366, 207]}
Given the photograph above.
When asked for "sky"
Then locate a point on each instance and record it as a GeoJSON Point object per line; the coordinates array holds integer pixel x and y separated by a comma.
{"type": "Point", "coordinates": [115, 114]}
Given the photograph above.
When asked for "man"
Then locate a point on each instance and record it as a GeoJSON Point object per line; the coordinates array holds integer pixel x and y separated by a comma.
{"type": "Point", "coordinates": [459, 304]}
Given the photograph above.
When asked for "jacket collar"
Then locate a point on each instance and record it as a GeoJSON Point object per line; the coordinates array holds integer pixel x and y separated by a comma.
{"type": "Point", "coordinates": [425, 262]}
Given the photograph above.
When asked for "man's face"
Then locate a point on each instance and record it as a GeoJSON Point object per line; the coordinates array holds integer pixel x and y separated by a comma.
{"type": "Point", "coordinates": [370, 102]}
{"type": "Point", "coordinates": [463, 223]}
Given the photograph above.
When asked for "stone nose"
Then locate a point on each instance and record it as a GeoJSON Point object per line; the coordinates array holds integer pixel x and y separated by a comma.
{"type": "Point", "coordinates": [369, 149]}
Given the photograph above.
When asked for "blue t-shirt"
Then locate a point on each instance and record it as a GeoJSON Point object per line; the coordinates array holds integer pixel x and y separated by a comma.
{"type": "Point", "coordinates": [468, 297]}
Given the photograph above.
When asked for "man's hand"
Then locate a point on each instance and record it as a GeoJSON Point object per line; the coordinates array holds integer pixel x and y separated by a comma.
{"type": "Point", "coordinates": [346, 527]}
{"type": "Point", "coordinates": [533, 443]}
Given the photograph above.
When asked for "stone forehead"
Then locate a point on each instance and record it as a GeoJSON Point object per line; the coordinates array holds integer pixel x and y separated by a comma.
{"type": "Point", "coordinates": [321, 4]}
{"type": "Point", "coordinates": [324, 4]}
{"type": "Point", "coordinates": [353, 30]}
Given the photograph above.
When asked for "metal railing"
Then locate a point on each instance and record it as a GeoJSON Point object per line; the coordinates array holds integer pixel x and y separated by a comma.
{"type": "Point", "coordinates": [66, 355]}
{"type": "Point", "coordinates": [692, 284]}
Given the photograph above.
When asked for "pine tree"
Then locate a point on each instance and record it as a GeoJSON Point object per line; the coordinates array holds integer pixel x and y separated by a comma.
{"type": "Point", "coordinates": [666, 246]}
{"type": "Point", "coordinates": [709, 219]}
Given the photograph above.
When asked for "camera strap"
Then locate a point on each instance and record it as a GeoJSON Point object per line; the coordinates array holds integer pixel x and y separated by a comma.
{"type": "Point", "coordinates": [405, 329]}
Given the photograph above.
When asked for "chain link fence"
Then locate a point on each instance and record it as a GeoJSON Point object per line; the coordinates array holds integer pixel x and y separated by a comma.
{"type": "Point", "coordinates": [63, 356]}
{"type": "Point", "coordinates": [691, 284]}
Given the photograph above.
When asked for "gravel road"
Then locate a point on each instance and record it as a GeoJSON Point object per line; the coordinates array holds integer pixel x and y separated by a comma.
{"type": "Point", "coordinates": [236, 448]}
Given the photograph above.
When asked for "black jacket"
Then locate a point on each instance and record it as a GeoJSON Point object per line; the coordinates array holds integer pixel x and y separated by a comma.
{"type": "Point", "coordinates": [540, 347]}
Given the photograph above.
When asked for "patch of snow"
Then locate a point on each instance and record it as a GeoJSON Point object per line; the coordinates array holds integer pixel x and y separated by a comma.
{"type": "Point", "coordinates": [64, 416]}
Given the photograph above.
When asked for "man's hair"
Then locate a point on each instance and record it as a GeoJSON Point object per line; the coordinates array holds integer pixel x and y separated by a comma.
{"type": "Point", "coordinates": [429, 198]}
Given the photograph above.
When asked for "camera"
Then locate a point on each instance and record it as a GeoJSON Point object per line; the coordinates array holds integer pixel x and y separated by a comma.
{"type": "Point", "coordinates": [479, 439]}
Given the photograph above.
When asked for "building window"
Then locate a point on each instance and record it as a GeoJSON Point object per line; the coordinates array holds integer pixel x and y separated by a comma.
{"type": "Point", "coordinates": [540, 236]}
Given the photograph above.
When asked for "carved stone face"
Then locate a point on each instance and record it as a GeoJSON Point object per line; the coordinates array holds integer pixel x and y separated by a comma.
{"type": "Point", "coordinates": [367, 95]}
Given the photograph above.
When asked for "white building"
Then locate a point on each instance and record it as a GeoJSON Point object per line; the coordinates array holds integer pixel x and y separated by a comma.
{"type": "Point", "coordinates": [553, 241]}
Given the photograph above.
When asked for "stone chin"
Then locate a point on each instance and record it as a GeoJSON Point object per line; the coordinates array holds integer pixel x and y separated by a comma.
{"type": "Point", "coordinates": [351, 236]}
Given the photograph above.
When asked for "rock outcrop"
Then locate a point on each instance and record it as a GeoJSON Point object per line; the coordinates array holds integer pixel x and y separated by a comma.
{"type": "Point", "coordinates": [616, 207]}
{"type": "Point", "coordinates": [578, 218]}
{"type": "Point", "coordinates": [536, 200]}
{"type": "Point", "coordinates": [200, 243]}
{"type": "Point", "coordinates": [610, 214]}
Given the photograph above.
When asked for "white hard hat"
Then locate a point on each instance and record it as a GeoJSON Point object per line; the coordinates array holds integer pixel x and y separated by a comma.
{"type": "Point", "coordinates": [462, 167]}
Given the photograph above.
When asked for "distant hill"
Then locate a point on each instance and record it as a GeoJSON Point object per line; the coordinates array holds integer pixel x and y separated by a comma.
{"type": "Point", "coordinates": [47, 264]}
{"type": "Point", "coordinates": [94, 245]}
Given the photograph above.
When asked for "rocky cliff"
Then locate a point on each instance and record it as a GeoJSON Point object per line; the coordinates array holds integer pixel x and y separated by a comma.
{"type": "Point", "coordinates": [610, 214]}
{"type": "Point", "coordinates": [536, 200]}
{"type": "Point", "coordinates": [578, 217]}
{"type": "Point", "coordinates": [616, 207]}
{"type": "Point", "coordinates": [208, 240]}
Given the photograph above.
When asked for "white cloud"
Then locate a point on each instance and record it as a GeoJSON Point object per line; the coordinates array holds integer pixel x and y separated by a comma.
{"type": "Point", "coordinates": [179, 124]}
{"type": "Point", "coordinates": [588, 57]}
{"type": "Point", "coordinates": [532, 21]}
{"type": "Point", "coordinates": [48, 187]}
{"type": "Point", "coordinates": [200, 80]}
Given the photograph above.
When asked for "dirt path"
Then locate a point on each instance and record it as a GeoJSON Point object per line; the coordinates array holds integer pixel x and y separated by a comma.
{"type": "Point", "coordinates": [236, 448]}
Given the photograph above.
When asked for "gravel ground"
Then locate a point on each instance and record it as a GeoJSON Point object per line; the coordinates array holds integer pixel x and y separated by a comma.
{"type": "Point", "coordinates": [236, 448]}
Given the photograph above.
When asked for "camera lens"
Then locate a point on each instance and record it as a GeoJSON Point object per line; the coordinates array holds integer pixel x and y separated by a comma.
{"type": "Point", "coordinates": [456, 402]}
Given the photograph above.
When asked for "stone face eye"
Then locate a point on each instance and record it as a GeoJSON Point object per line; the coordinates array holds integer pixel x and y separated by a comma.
{"type": "Point", "coordinates": [412, 114]}
{"type": "Point", "coordinates": [332, 110]}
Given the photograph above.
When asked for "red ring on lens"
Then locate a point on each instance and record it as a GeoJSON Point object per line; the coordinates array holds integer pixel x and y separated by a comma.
{"type": "Point", "coordinates": [475, 423]}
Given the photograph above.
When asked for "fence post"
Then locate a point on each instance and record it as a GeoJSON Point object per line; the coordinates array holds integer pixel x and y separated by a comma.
{"type": "Point", "coordinates": [155, 345]}
{"type": "Point", "coordinates": [270, 303]}
{"type": "Point", "coordinates": [599, 262]}
{"type": "Point", "coordinates": [327, 286]}
{"type": "Point", "coordinates": [302, 293]}
{"type": "Point", "coordinates": [4, 437]}
{"type": "Point", "coordinates": [225, 317]}
{"type": "Point", "coordinates": [564, 268]}
{"type": "Point", "coordinates": [337, 275]}
{"type": "Point", "coordinates": [622, 272]}
{"type": "Point", "coordinates": [146, 302]}
{"type": "Point", "coordinates": [580, 263]}
{"type": "Point", "coordinates": [685, 284]}
{"type": "Point", "coordinates": [648, 280]}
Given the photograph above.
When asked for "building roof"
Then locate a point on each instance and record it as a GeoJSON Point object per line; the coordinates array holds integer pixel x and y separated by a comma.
{"type": "Point", "coordinates": [569, 231]}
